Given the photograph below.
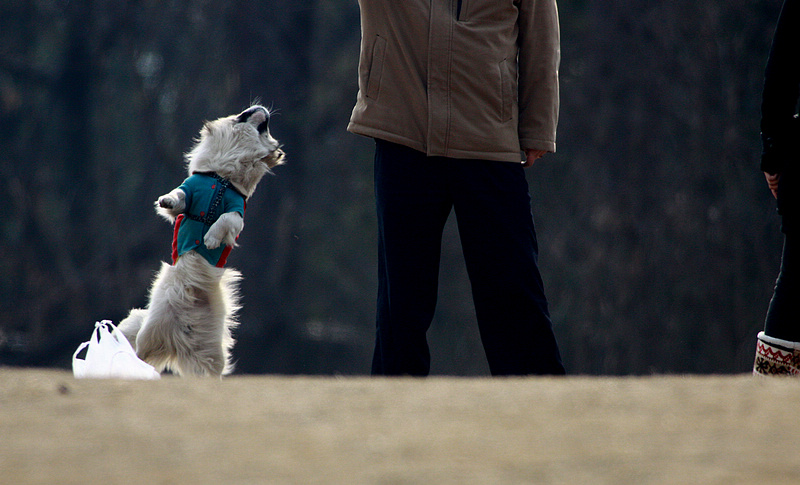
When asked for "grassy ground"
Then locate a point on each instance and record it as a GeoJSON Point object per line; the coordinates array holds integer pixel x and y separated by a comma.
{"type": "Point", "coordinates": [241, 430]}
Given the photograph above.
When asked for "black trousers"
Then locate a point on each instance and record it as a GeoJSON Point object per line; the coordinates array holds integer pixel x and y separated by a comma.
{"type": "Point", "coordinates": [414, 196]}
{"type": "Point", "coordinates": [782, 319]}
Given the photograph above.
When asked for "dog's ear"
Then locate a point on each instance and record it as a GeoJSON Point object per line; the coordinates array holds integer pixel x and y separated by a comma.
{"type": "Point", "coordinates": [255, 115]}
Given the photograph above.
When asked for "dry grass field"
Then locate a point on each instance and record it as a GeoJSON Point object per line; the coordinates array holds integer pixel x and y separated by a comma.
{"type": "Point", "coordinates": [55, 429]}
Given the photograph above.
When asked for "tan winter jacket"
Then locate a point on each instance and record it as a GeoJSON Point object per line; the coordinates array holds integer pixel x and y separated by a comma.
{"type": "Point", "coordinates": [459, 78]}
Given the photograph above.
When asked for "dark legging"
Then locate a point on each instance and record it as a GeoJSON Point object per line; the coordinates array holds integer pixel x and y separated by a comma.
{"type": "Point", "coordinates": [783, 321]}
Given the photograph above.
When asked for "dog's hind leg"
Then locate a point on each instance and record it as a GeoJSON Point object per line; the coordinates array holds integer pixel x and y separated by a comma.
{"type": "Point", "coordinates": [199, 334]}
{"type": "Point", "coordinates": [154, 342]}
{"type": "Point", "coordinates": [205, 342]}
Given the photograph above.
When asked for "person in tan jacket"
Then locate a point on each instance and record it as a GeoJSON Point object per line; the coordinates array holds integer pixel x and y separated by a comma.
{"type": "Point", "coordinates": [460, 96]}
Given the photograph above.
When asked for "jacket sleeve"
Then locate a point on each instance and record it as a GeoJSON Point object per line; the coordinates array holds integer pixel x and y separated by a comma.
{"type": "Point", "coordinates": [234, 203]}
{"type": "Point", "coordinates": [779, 126]}
{"type": "Point", "coordinates": [539, 57]}
{"type": "Point", "coordinates": [186, 187]}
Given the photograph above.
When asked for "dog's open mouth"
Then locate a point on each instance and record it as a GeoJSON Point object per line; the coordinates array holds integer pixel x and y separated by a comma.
{"type": "Point", "coordinates": [275, 158]}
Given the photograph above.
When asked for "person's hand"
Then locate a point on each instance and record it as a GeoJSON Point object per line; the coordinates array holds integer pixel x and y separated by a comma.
{"type": "Point", "coordinates": [531, 156]}
{"type": "Point", "coordinates": [772, 182]}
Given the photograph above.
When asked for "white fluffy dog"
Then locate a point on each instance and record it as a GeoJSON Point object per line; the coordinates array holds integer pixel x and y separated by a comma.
{"type": "Point", "coordinates": [187, 324]}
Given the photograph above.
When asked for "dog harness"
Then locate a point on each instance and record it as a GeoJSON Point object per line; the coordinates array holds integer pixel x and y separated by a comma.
{"type": "Point", "coordinates": [208, 196]}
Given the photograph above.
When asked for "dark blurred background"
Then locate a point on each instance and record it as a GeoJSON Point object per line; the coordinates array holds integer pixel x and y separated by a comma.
{"type": "Point", "coordinates": [658, 237]}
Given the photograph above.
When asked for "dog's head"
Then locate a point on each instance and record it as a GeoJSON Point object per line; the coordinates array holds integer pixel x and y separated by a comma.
{"type": "Point", "coordinates": [238, 147]}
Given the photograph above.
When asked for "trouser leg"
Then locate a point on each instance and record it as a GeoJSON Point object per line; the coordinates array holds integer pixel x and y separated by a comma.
{"type": "Point", "coordinates": [783, 321]}
{"type": "Point", "coordinates": [412, 209]}
{"type": "Point", "coordinates": [499, 241]}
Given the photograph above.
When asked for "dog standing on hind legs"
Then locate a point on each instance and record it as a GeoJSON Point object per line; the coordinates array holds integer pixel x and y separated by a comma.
{"type": "Point", "coordinates": [187, 324]}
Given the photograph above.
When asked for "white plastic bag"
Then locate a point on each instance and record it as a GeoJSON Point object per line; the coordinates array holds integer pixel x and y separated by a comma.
{"type": "Point", "coordinates": [110, 356]}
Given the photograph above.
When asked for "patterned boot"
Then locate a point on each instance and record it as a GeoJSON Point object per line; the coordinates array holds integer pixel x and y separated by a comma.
{"type": "Point", "coordinates": [776, 357]}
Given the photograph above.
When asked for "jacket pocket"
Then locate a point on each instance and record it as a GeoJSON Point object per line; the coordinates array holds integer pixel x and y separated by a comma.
{"type": "Point", "coordinates": [376, 68]}
{"type": "Point", "coordinates": [462, 10]}
{"type": "Point", "coordinates": [508, 92]}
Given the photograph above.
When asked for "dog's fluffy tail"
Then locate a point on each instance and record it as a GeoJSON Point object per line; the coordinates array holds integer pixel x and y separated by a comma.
{"type": "Point", "coordinates": [229, 285]}
{"type": "Point", "coordinates": [132, 324]}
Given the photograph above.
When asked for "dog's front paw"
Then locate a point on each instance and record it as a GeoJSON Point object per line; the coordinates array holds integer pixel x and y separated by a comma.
{"type": "Point", "coordinates": [224, 231]}
{"type": "Point", "coordinates": [171, 204]}
{"type": "Point", "coordinates": [212, 240]}
{"type": "Point", "coordinates": [167, 201]}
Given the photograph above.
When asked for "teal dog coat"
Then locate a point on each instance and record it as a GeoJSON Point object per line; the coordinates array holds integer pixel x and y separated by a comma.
{"type": "Point", "coordinates": [208, 196]}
